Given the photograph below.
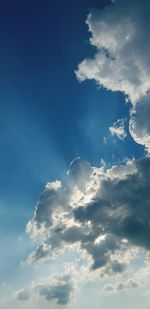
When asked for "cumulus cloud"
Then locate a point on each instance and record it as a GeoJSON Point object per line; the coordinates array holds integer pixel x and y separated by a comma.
{"type": "Point", "coordinates": [59, 289]}
{"type": "Point", "coordinates": [121, 63]}
{"type": "Point", "coordinates": [50, 199]}
{"type": "Point", "coordinates": [104, 218]}
{"type": "Point", "coordinates": [122, 205]}
{"type": "Point", "coordinates": [139, 124]}
{"type": "Point", "coordinates": [118, 129]}
{"type": "Point", "coordinates": [103, 213]}
{"type": "Point", "coordinates": [53, 207]}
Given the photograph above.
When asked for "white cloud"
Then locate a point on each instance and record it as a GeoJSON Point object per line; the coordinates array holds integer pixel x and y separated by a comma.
{"type": "Point", "coordinates": [118, 129]}
{"type": "Point", "coordinates": [103, 213]}
{"type": "Point", "coordinates": [122, 63]}
{"type": "Point", "coordinates": [139, 125]}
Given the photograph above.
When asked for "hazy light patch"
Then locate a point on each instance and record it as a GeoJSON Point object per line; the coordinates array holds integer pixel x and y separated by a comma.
{"type": "Point", "coordinates": [118, 129]}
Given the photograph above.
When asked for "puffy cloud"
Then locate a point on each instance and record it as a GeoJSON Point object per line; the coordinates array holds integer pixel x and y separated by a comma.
{"type": "Point", "coordinates": [108, 288]}
{"type": "Point", "coordinates": [104, 219]}
{"type": "Point", "coordinates": [50, 199]}
{"type": "Point", "coordinates": [23, 295]}
{"type": "Point", "coordinates": [59, 289]}
{"type": "Point", "coordinates": [102, 213]}
{"type": "Point", "coordinates": [118, 267]}
{"type": "Point", "coordinates": [54, 205]}
{"type": "Point", "coordinates": [139, 125]}
{"type": "Point", "coordinates": [121, 206]}
{"type": "Point", "coordinates": [101, 251]}
{"type": "Point", "coordinates": [118, 129]}
{"type": "Point", "coordinates": [121, 63]}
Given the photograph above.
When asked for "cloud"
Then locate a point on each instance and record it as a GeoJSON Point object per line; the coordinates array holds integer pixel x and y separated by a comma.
{"type": "Point", "coordinates": [102, 213]}
{"type": "Point", "coordinates": [117, 32]}
{"type": "Point", "coordinates": [130, 284]}
{"type": "Point", "coordinates": [50, 199]}
{"type": "Point", "coordinates": [118, 129]}
{"type": "Point", "coordinates": [121, 206]}
{"type": "Point", "coordinates": [118, 267]}
{"type": "Point", "coordinates": [23, 295]}
{"type": "Point", "coordinates": [121, 63]}
{"type": "Point", "coordinates": [108, 288]}
{"type": "Point", "coordinates": [104, 218]}
{"type": "Point", "coordinates": [59, 289]}
{"type": "Point", "coordinates": [139, 125]}
{"type": "Point", "coordinates": [50, 210]}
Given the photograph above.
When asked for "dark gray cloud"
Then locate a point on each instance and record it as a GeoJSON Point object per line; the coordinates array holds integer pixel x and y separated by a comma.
{"type": "Point", "coordinates": [115, 206]}
{"type": "Point", "coordinates": [118, 267]}
{"type": "Point", "coordinates": [101, 251]}
{"type": "Point", "coordinates": [126, 209]}
{"type": "Point", "coordinates": [56, 197]}
{"type": "Point", "coordinates": [60, 293]}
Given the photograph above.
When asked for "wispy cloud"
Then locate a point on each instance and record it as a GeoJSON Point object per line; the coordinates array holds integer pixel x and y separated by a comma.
{"type": "Point", "coordinates": [118, 129]}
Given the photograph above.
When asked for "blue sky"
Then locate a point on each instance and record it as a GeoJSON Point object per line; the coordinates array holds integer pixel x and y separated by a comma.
{"type": "Point", "coordinates": [61, 98]}
{"type": "Point", "coordinates": [41, 100]}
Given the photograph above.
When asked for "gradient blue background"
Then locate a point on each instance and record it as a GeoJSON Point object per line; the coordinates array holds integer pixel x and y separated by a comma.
{"type": "Point", "coordinates": [47, 118]}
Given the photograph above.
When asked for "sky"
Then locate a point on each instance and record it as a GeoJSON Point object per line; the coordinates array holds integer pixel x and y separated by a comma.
{"type": "Point", "coordinates": [75, 154]}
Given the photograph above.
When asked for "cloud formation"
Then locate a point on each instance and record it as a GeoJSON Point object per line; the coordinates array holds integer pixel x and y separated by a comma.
{"type": "Point", "coordinates": [105, 216]}
{"type": "Point", "coordinates": [121, 63]}
{"type": "Point", "coordinates": [103, 213]}
{"type": "Point", "coordinates": [59, 289]}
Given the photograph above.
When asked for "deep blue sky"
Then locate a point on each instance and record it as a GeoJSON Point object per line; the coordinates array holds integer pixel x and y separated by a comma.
{"type": "Point", "coordinates": [46, 116]}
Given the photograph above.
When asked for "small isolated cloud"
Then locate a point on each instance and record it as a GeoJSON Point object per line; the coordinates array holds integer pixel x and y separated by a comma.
{"type": "Point", "coordinates": [108, 288]}
{"type": "Point", "coordinates": [58, 289]}
{"type": "Point", "coordinates": [118, 129]}
{"type": "Point", "coordinates": [130, 284]}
